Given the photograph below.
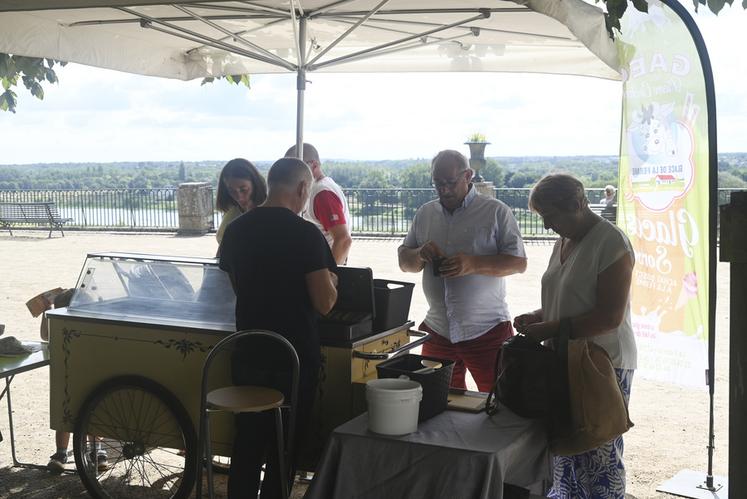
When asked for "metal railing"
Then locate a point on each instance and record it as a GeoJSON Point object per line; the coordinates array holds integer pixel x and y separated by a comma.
{"type": "Point", "coordinates": [108, 209]}
{"type": "Point", "coordinates": [388, 212]}
{"type": "Point", "coordinates": [374, 212]}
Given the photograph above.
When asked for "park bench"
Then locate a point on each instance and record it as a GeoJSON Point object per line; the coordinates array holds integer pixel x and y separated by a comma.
{"type": "Point", "coordinates": [31, 213]}
{"type": "Point", "coordinates": [604, 211]}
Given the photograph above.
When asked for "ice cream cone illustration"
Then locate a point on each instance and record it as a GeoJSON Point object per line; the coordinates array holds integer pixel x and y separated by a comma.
{"type": "Point", "coordinates": [689, 290]}
{"type": "Point", "coordinates": [673, 317]}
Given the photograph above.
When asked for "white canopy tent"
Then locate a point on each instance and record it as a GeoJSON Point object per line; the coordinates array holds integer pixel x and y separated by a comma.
{"type": "Point", "coordinates": [187, 39]}
{"type": "Point", "coordinates": [191, 39]}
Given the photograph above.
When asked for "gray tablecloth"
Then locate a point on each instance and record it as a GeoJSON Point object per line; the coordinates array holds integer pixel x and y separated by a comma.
{"type": "Point", "coordinates": [454, 455]}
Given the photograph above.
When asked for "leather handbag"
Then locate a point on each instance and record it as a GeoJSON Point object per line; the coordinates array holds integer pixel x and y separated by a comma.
{"type": "Point", "coordinates": [572, 388]}
{"type": "Point", "coordinates": [598, 412]}
{"type": "Point", "coordinates": [530, 382]}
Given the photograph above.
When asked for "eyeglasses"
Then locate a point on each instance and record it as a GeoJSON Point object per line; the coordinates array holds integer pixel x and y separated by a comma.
{"type": "Point", "coordinates": [450, 184]}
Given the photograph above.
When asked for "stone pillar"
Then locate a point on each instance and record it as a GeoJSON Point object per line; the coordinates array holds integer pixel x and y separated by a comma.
{"type": "Point", "coordinates": [485, 188]}
{"type": "Point", "coordinates": [195, 203]}
{"type": "Point", "coordinates": [734, 250]}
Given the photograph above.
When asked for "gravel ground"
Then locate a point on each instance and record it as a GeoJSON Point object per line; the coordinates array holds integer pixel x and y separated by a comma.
{"type": "Point", "coordinates": [671, 422]}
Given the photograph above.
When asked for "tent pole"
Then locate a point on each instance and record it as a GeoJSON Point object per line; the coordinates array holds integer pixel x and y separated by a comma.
{"type": "Point", "coordinates": [300, 84]}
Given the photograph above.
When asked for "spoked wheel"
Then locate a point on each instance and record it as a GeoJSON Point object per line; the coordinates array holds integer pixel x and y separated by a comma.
{"type": "Point", "coordinates": [146, 435]}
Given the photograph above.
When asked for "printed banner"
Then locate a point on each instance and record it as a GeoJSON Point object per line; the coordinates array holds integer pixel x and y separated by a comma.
{"type": "Point", "coordinates": [663, 198]}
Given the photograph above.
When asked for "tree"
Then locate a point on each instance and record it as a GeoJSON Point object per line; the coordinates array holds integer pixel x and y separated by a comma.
{"type": "Point", "coordinates": [493, 172]}
{"type": "Point", "coordinates": [418, 175]}
{"type": "Point", "coordinates": [521, 179]}
{"type": "Point", "coordinates": [31, 70]}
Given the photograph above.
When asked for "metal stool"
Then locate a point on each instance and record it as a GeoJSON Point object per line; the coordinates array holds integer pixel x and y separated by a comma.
{"type": "Point", "coordinates": [248, 398]}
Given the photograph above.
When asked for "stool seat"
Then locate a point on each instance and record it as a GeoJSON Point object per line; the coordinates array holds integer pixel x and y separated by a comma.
{"type": "Point", "coordinates": [244, 398]}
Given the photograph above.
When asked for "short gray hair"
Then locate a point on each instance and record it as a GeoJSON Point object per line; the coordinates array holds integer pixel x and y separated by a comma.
{"type": "Point", "coordinates": [556, 190]}
{"type": "Point", "coordinates": [288, 172]}
{"type": "Point", "coordinates": [452, 155]}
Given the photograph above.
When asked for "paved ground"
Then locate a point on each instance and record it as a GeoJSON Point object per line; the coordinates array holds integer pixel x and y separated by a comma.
{"type": "Point", "coordinates": [671, 422]}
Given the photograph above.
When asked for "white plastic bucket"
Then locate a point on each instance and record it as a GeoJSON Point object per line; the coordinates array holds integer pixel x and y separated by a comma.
{"type": "Point", "coordinates": [393, 405]}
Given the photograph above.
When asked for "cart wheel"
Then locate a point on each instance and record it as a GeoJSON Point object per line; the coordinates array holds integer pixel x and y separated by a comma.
{"type": "Point", "coordinates": [148, 438]}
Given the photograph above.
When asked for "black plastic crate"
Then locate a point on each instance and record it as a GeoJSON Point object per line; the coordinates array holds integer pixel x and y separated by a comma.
{"type": "Point", "coordinates": [352, 315]}
{"type": "Point", "coordinates": [435, 383]}
{"type": "Point", "coordinates": [392, 299]}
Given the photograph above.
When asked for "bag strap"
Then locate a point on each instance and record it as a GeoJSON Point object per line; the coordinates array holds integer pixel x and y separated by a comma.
{"type": "Point", "coordinates": [561, 339]}
{"type": "Point", "coordinates": [491, 403]}
{"type": "Point", "coordinates": [563, 412]}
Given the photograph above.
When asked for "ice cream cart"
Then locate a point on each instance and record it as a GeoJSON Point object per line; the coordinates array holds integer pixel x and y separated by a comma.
{"type": "Point", "coordinates": [125, 363]}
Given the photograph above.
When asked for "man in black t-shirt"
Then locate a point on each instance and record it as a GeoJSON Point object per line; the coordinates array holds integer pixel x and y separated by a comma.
{"type": "Point", "coordinates": [281, 269]}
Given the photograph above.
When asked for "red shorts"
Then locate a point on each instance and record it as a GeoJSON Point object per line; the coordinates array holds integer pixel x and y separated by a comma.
{"type": "Point", "coordinates": [478, 354]}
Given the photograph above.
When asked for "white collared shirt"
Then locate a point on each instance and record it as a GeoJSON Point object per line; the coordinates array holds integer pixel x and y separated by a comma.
{"type": "Point", "coordinates": [466, 307]}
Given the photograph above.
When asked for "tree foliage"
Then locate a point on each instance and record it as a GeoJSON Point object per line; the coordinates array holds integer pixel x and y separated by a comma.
{"type": "Point", "coordinates": [233, 79]}
{"type": "Point", "coordinates": [31, 71]}
{"type": "Point", "coordinates": [516, 172]}
{"type": "Point", "coordinates": [615, 9]}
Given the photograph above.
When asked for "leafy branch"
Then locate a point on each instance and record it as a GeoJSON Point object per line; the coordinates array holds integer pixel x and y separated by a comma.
{"type": "Point", "coordinates": [616, 9]}
{"type": "Point", "coordinates": [31, 71]}
{"type": "Point", "coordinates": [233, 79]}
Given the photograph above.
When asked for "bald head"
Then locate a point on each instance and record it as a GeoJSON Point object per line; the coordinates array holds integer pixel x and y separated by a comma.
{"type": "Point", "coordinates": [289, 183]}
{"type": "Point", "coordinates": [288, 173]}
{"type": "Point", "coordinates": [309, 153]}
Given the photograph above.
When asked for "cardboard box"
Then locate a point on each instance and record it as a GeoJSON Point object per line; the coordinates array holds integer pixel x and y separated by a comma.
{"type": "Point", "coordinates": [43, 301]}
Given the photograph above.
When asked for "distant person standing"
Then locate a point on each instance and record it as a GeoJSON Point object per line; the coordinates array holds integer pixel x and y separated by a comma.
{"type": "Point", "coordinates": [327, 208]}
{"type": "Point", "coordinates": [610, 195]}
{"type": "Point", "coordinates": [609, 211]}
{"type": "Point", "coordinates": [465, 244]}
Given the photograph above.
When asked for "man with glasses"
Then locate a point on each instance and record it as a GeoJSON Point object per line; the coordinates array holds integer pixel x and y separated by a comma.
{"type": "Point", "coordinates": [465, 244]}
{"type": "Point", "coordinates": [327, 208]}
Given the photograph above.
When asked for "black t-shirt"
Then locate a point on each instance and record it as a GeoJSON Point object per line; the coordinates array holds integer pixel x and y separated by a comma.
{"type": "Point", "coordinates": [268, 252]}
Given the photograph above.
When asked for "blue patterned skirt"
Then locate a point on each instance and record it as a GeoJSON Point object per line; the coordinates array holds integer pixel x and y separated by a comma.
{"type": "Point", "coordinates": [598, 473]}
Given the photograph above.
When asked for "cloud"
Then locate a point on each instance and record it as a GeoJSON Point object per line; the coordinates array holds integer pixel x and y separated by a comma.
{"type": "Point", "coordinates": [101, 115]}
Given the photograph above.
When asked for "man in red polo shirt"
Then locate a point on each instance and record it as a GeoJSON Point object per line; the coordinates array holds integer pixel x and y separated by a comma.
{"type": "Point", "coordinates": [327, 208]}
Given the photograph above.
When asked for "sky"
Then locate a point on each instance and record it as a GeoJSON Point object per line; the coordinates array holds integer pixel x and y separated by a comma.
{"type": "Point", "coordinates": [96, 115]}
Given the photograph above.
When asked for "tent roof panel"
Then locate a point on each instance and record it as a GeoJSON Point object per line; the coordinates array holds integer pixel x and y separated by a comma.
{"type": "Point", "coordinates": [192, 39]}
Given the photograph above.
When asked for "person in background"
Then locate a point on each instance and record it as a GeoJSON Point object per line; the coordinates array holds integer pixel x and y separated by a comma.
{"type": "Point", "coordinates": [587, 280]}
{"type": "Point", "coordinates": [610, 195]}
{"type": "Point", "coordinates": [609, 211]}
{"type": "Point", "coordinates": [465, 244]}
{"type": "Point", "coordinates": [240, 188]}
{"type": "Point", "coordinates": [328, 208]}
{"type": "Point", "coordinates": [281, 269]}
{"type": "Point", "coordinates": [59, 459]}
